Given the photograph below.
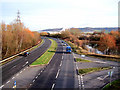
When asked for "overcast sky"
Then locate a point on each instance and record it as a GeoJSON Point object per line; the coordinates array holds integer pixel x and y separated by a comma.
{"type": "Point", "coordinates": [44, 14]}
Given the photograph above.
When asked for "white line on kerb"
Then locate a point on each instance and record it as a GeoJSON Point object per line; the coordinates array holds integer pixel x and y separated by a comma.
{"type": "Point", "coordinates": [1, 86]}
{"type": "Point", "coordinates": [39, 74]}
{"type": "Point", "coordinates": [41, 71]}
{"type": "Point", "coordinates": [52, 86]}
{"type": "Point", "coordinates": [24, 69]}
{"type": "Point", "coordinates": [57, 73]}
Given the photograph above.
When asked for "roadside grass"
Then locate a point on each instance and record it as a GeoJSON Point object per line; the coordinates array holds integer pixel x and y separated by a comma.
{"type": "Point", "coordinates": [82, 60]}
{"type": "Point", "coordinates": [115, 85]}
{"type": "Point", "coordinates": [89, 70]}
{"type": "Point", "coordinates": [21, 53]}
{"type": "Point", "coordinates": [105, 58]}
{"type": "Point", "coordinates": [45, 58]}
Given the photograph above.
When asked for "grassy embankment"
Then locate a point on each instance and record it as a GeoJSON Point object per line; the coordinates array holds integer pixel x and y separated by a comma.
{"type": "Point", "coordinates": [115, 85]}
{"type": "Point", "coordinates": [82, 60]}
{"type": "Point", "coordinates": [45, 58]}
{"type": "Point", "coordinates": [22, 53]}
{"type": "Point", "coordinates": [89, 70]}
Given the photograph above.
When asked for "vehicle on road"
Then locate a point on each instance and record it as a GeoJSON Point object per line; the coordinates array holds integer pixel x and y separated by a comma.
{"type": "Point", "coordinates": [26, 53]}
{"type": "Point", "coordinates": [68, 49]}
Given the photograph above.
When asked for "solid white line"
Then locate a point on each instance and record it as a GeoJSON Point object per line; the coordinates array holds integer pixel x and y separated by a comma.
{"type": "Point", "coordinates": [1, 86]}
{"type": "Point", "coordinates": [52, 86]}
{"type": "Point", "coordinates": [8, 82]}
{"type": "Point", "coordinates": [57, 73]}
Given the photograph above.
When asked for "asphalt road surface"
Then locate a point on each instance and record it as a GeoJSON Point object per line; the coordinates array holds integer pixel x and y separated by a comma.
{"type": "Point", "coordinates": [59, 73]}
{"type": "Point", "coordinates": [11, 68]}
{"type": "Point", "coordinates": [97, 80]}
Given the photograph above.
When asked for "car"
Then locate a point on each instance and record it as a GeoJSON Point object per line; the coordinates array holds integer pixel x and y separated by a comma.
{"type": "Point", "coordinates": [68, 49]}
{"type": "Point", "coordinates": [26, 53]}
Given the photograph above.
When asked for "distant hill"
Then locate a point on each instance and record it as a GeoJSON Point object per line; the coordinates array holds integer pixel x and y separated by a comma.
{"type": "Point", "coordinates": [107, 29]}
{"type": "Point", "coordinates": [86, 29]}
{"type": "Point", "coordinates": [55, 30]}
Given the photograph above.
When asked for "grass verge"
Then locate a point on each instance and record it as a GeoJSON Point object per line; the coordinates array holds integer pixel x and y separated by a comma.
{"type": "Point", "coordinates": [115, 85]}
{"type": "Point", "coordinates": [82, 60]}
{"type": "Point", "coordinates": [45, 58]}
{"type": "Point", "coordinates": [89, 70]}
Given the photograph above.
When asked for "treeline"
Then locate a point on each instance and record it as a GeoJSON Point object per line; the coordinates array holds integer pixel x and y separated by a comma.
{"type": "Point", "coordinates": [108, 43]}
{"type": "Point", "coordinates": [16, 38]}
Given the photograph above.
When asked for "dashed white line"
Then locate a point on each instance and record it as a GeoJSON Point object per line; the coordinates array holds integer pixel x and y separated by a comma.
{"type": "Point", "coordinates": [17, 74]}
{"type": "Point", "coordinates": [2, 86]}
{"type": "Point", "coordinates": [39, 74]}
{"type": "Point", "coordinates": [7, 82]}
{"type": "Point", "coordinates": [13, 77]}
{"type": "Point", "coordinates": [36, 77]}
{"type": "Point", "coordinates": [62, 57]}
{"type": "Point", "coordinates": [20, 71]}
{"type": "Point", "coordinates": [53, 86]}
{"type": "Point", "coordinates": [61, 63]}
{"type": "Point", "coordinates": [33, 80]}
{"type": "Point", "coordinates": [57, 73]}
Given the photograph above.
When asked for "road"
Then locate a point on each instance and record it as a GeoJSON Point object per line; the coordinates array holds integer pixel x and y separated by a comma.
{"type": "Point", "coordinates": [11, 68]}
{"type": "Point", "coordinates": [97, 80]}
{"type": "Point", "coordinates": [59, 73]}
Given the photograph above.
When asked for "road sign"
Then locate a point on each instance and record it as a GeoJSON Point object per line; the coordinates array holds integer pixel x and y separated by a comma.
{"type": "Point", "coordinates": [14, 84]}
{"type": "Point", "coordinates": [110, 73]}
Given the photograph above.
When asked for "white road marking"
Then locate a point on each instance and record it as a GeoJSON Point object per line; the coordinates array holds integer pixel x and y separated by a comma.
{"type": "Point", "coordinates": [14, 66]}
{"type": "Point", "coordinates": [62, 57]}
{"type": "Point", "coordinates": [99, 61]}
{"type": "Point", "coordinates": [53, 86]}
{"type": "Point", "coordinates": [33, 80]}
{"type": "Point", "coordinates": [7, 82]}
{"type": "Point", "coordinates": [17, 74]}
{"type": "Point", "coordinates": [20, 71]}
{"type": "Point", "coordinates": [36, 76]}
{"type": "Point", "coordinates": [13, 77]}
{"type": "Point", "coordinates": [39, 74]}
{"type": "Point", "coordinates": [102, 78]}
{"type": "Point", "coordinates": [41, 71]}
{"type": "Point", "coordinates": [24, 69]}
{"type": "Point", "coordinates": [2, 86]}
{"type": "Point", "coordinates": [61, 63]}
{"type": "Point", "coordinates": [76, 66]}
{"type": "Point", "coordinates": [57, 73]}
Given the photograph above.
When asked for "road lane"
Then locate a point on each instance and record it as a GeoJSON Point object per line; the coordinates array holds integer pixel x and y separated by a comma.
{"type": "Point", "coordinates": [16, 65]}
{"type": "Point", "coordinates": [47, 77]}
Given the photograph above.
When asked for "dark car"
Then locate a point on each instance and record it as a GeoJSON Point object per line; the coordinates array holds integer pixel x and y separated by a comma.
{"type": "Point", "coordinates": [26, 53]}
